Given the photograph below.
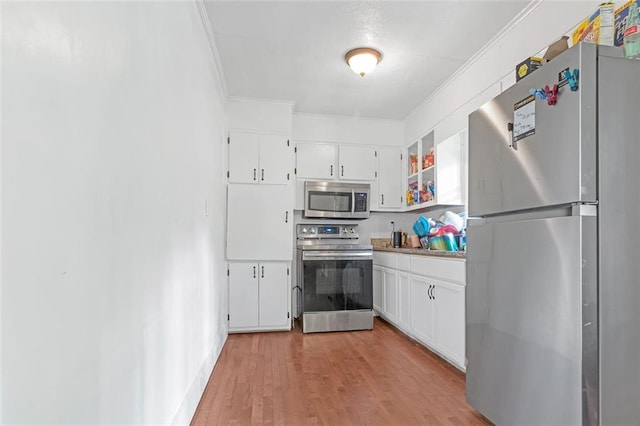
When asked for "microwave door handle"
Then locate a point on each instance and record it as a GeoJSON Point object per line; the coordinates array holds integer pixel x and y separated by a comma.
{"type": "Point", "coordinates": [353, 202]}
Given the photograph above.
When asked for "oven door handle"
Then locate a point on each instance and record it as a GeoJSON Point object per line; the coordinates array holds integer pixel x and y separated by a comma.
{"type": "Point", "coordinates": [337, 255]}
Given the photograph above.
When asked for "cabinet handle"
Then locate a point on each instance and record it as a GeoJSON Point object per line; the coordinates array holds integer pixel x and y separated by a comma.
{"type": "Point", "coordinates": [262, 272]}
{"type": "Point", "coordinates": [254, 174]}
{"type": "Point", "coordinates": [382, 199]}
{"type": "Point", "coordinates": [331, 169]}
{"type": "Point", "coordinates": [262, 173]}
{"type": "Point", "coordinates": [286, 216]}
{"type": "Point", "coordinates": [429, 292]}
{"type": "Point", "coordinates": [341, 170]}
{"type": "Point", "coordinates": [254, 272]}
{"type": "Point", "coordinates": [433, 292]}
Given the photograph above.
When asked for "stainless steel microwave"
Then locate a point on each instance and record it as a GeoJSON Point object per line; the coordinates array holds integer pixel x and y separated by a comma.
{"type": "Point", "coordinates": [336, 200]}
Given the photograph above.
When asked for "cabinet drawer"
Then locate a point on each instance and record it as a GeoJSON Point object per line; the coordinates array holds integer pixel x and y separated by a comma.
{"type": "Point", "coordinates": [404, 262]}
{"type": "Point", "coordinates": [452, 270]}
{"type": "Point", "coordinates": [387, 260]}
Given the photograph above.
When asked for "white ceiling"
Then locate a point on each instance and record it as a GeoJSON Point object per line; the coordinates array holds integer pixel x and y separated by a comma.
{"type": "Point", "coordinates": [294, 50]}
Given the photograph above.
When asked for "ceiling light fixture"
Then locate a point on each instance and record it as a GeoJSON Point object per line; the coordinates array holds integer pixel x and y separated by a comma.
{"type": "Point", "coordinates": [362, 60]}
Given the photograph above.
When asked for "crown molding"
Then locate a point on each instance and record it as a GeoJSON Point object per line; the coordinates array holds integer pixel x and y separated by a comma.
{"type": "Point", "coordinates": [262, 100]}
{"type": "Point", "coordinates": [476, 56]}
{"type": "Point", "coordinates": [206, 23]}
{"type": "Point", "coordinates": [346, 117]}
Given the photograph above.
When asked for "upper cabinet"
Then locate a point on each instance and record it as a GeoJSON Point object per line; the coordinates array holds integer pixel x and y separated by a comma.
{"type": "Point", "coordinates": [316, 161]}
{"type": "Point", "coordinates": [259, 158]}
{"type": "Point", "coordinates": [357, 162]}
{"type": "Point", "coordinates": [389, 183]}
{"type": "Point", "coordinates": [435, 172]}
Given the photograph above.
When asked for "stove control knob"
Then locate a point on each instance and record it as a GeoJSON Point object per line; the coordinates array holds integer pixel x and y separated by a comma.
{"type": "Point", "coordinates": [304, 230]}
{"type": "Point", "coordinates": [345, 230]}
{"type": "Point", "coordinates": [313, 230]}
{"type": "Point", "coordinates": [353, 231]}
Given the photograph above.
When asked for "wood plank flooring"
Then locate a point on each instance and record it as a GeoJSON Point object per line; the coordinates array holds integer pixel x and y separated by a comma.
{"type": "Point", "coordinates": [364, 377]}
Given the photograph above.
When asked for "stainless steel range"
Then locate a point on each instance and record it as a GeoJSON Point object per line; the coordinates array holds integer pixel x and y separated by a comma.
{"type": "Point", "coordinates": [335, 277]}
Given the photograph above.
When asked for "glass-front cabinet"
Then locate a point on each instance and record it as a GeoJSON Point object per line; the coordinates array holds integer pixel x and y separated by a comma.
{"type": "Point", "coordinates": [435, 172]}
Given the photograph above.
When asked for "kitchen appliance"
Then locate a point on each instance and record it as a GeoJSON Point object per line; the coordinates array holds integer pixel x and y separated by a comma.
{"type": "Point", "coordinates": [553, 318]}
{"type": "Point", "coordinates": [335, 278]}
{"type": "Point", "coordinates": [396, 239]}
{"type": "Point", "coordinates": [336, 200]}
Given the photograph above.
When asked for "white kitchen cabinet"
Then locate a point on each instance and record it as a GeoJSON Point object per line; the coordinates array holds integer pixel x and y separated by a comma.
{"type": "Point", "coordinates": [404, 300]}
{"type": "Point", "coordinates": [357, 162]}
{"type": "Point", "coordinates": [258, 296]}
{"type": "Point", "coordinates": [422, 309]}
{"type": "Point", "coordinates": [243, 295]}
{"type": "Point", "coordinates": [259, 158]}
{"type": "Point", "coordinates": [390, 286]}
{"type": "Point", "coordinates": [449, 301]}
{"type": "Point", "coordinates": [316, 161]}
{"type": "Point", "coordinates": [424, 296]}
{"type": "Point", "coordinates": [389, 182]}
{"type": "Point", "coordinates": [259, 222]}
{"type": "Point", "coordinates": [378, 296]}
{"type": "Point", "coordinates": [273, 295]}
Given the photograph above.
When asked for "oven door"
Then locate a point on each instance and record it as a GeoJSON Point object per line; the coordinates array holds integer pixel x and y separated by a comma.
{"type": "Point", "coordinates": [337, 281]}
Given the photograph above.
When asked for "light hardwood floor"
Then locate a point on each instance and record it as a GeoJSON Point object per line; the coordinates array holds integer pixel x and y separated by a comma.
{"type": "Point", "coordinates": [363, 377]}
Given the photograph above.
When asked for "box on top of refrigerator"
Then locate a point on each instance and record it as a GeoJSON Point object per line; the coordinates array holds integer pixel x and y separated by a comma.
{"type": "Point", "coordinates": [597, 28]}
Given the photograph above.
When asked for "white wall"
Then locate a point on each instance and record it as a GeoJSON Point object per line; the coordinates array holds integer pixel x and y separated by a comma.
{"type": "Point", "coordinates": [345, 129]}
{"type": "Point", "coordinates": [260, 115]}
{"type": "Point", "coordinates": [493, 68]}
{"type": "Point", "coordinates": [113, 279]}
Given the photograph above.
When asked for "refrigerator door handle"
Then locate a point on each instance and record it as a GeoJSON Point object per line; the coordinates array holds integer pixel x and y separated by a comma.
{"type": "Point", "coordinates": [513, 144]}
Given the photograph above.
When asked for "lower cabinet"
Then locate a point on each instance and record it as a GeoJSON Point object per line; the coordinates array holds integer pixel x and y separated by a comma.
{"type": "Point", "coordinates": [438, 316]}
{"type": "Point", "coordinates": [377, 289]}
{"type": "Point", "coordinates": [404, 300]}
{"type": "Point", "coordinates": [390, 286]}
{"type": "Point", "coordinates": [422, 311]}
{"type": "Point", "coordinates": [259, 296]}
{"type": "Point", "coordinates": [427, 301]}
{"type": "Point", "coordinates": [449, 302]}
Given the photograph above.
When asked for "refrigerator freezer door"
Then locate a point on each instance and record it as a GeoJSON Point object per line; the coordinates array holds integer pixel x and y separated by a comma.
{"type": "Point", "coordinates": [619, 213]}
{"type": "Point", "coordinates": [528, 282]}
{"type": "Point", "coordinates": [555, 165]}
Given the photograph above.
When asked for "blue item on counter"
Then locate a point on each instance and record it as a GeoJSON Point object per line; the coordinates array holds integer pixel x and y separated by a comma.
{"type": "Point", "coordinates": [421, 227]}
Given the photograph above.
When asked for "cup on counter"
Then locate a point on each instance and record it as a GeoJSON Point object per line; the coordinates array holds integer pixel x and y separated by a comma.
{"type": "Point", "coordinates": [415, 241]}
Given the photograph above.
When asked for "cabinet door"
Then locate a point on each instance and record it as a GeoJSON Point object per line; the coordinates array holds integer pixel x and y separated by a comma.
{"type": "Point", "coordinates": [404, 300]}
{"type": "Point", "coordinates": [449, 171]}
{"type": "Point", "coordinates": [422, 312]}
{"type": "Point", "coordinates": [243, 157]}
{"type": "Point", "coordinates": [377, 289]}
{"type": "Point", "coordinates": [450, 320]}
{"type": "Point", "coordinates": [356, 162]}
{"type": "Point", "coordinates": [390, 294]}
{"type": "Point", "coordinates": [389, 178]}
{"type": "Point", "coordinates": [243, 295]}
{"type": "Point", "coordinates": [274, 289]}
{"type": "Point", "coordinates": [275, 159]}
{"type": "Point", "coordinates": [259, 222]}
{"type": "Point", "coordinates": [316, 161]}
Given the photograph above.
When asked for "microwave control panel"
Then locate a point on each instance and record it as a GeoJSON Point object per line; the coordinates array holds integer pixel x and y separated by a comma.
{"type": "Point", "coordinates": [361, 202]}
{"type": "Point", "coordinates": [305, 230]}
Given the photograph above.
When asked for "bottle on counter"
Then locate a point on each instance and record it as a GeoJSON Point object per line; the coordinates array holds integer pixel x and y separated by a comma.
{"type": "Point", "coordinates": [631, 37]}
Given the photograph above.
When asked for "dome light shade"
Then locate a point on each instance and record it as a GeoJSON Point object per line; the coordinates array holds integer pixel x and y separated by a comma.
{"type": "Point", "coordinates": [362, 60]}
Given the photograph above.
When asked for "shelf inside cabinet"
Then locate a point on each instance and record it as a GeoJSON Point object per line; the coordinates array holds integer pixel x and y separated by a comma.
{"type": "Point", "coordinates": [428, 168]}
{"type": "Point", "coordinates": [413, 176]}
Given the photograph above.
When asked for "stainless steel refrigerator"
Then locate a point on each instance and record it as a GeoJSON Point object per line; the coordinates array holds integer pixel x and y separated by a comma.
{"type": "Point", "coordinates": [553, 260]}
